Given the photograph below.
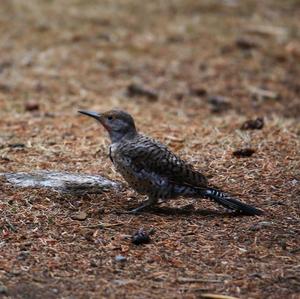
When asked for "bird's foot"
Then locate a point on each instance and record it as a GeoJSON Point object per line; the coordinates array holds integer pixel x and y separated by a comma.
{"type": "Point", "coordinates": [138, 210]}
{"type": "Point", "coordinates": [144, 206]}
{"type": "Point", "coordinates": [133, 211]}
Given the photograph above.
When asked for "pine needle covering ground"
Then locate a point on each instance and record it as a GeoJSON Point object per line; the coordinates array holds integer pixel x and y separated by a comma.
{"type": "Point", "coordinates": [191, 73]}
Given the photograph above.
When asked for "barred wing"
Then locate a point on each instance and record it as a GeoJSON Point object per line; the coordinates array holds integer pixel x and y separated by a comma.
{"type": "Point", "coordinates": [149, 156]}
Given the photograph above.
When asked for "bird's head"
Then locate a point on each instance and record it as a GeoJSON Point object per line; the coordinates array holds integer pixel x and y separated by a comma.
{"type": "Point", "coordinates": [118, 123]}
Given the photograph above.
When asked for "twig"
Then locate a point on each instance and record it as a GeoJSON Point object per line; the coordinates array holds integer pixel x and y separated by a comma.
{"type": "Point", "coordinates": [217, 296]}
{"type": "Point", "coordinates": [191, 280]}
{"type": "Point", "coordinates": [11, 226]}
{"type": "Point", "coordinates": [104, 225]}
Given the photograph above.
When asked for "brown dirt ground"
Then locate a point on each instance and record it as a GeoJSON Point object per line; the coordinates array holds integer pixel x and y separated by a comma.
{"type": "Point", "coordinates": [70, 54]}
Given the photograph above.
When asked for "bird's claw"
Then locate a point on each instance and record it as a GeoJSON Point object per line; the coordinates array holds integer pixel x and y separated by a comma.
{"type": "Point", "coordinates": [134, 211]}
{"type": "Point", "coordinates": [138, 209]}
{"type": "Point", "coordinates": [130, 212]}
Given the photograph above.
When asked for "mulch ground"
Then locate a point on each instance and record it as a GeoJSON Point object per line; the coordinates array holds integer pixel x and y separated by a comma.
{"type": "Point", "coordinates": [191, 73]}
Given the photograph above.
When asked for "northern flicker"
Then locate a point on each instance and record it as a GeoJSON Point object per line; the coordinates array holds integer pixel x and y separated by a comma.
{"type": "Point", "coordinates": [151, 169]}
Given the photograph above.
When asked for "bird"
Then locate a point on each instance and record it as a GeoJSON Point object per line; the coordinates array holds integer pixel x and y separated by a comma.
{"type": "Point", "coordinates": [152, 169]}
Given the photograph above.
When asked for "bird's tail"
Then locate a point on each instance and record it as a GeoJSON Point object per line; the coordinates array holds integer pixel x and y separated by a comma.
{"type": "Point", "coordinates": [228, 202]}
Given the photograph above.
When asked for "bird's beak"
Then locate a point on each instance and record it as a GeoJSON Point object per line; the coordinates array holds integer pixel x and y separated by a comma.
{"type": "Point", "coordinates": [93, 114]}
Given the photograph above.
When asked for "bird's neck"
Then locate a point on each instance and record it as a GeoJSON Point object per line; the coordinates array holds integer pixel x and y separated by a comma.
{"type": "Point", "coordinates": [116, 137]}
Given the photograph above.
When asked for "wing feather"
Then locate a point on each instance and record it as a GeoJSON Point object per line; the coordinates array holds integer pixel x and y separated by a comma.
{"type": "Point", "coordinates": [151, 156]}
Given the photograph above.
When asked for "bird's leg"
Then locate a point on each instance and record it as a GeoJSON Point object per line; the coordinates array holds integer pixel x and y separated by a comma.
{"type": "Point", "coordinates": [146, 204]}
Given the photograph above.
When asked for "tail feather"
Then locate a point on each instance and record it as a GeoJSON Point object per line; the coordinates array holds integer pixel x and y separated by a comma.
{"type": "Point", "coordinates": [229, 202]}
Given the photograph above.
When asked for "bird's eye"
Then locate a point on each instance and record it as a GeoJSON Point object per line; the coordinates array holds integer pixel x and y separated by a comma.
{"type": "Point", "coordinates": [110, 117]}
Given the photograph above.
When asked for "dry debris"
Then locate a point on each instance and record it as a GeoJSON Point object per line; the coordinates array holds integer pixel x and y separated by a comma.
{"type": "Point", "coordinates": [31, 106]}
{"type": "Point", "coordinates": [70, 55]}
{"type": "Point", "coordinates": [253, 124]}
{"type": "Point", "coordinates": [79, 216]}
{"type": "Point", "coordinates": [218, 104]}
{"type": "Point", "coordinates": [245, 43]}
{"type": "Point", "coordinates": [136, 90]}
{"type": "Point", "coordinates": [140, 237]}
{"type": "Point", "coordinates": [244, 152]}
{"type": "Point", "coordinates": [261, 94]}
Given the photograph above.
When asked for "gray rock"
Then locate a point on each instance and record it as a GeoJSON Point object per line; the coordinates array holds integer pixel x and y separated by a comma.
{"type": "Point", "coordinates": [61, 181]}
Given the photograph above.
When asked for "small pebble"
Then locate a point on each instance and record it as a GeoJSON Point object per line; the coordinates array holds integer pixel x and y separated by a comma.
{"type": "Point", "coordinates": [79, 216]}
{"type": "Point", "coordinates": [120, 258]}
{"type": "Point", "coordinates": [294, 182]}
{"type": "Point", "coordinates": [55, 291]}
